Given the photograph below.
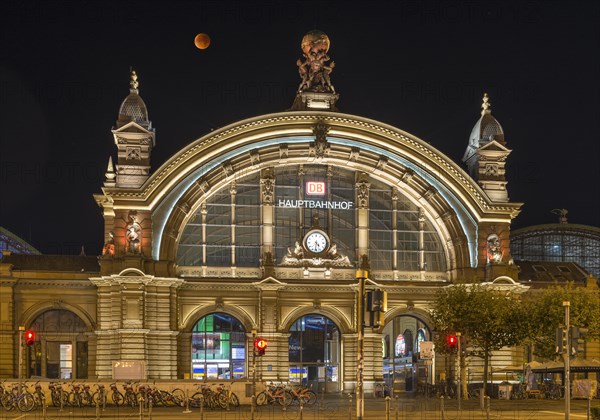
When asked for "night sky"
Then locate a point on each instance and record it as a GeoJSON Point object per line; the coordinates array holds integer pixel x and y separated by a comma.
{"type": "Point", "coordinates": [420, 66]}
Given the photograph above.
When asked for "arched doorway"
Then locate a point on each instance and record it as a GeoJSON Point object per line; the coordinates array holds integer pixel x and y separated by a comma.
{"type": "Point", "coordinates": [402, 368]}
{"type": "Point", "coordinates": [218, 348]}
{"type": "Point", "coordinates": [314, 353]}
{"type": "Point", "coordinates": [60, 350]}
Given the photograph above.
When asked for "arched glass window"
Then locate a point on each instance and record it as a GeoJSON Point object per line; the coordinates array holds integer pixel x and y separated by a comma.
{"type": "Point", "coordinates": [401, 366]}
{"type": "Point", "coordinates": [314, 352]}
{"type": "Point", "coordinates": [60, 350]}
{"type": "Point", "coordinates": [218, 348]}
{"type": "Point", "coordinates": [226, 229]}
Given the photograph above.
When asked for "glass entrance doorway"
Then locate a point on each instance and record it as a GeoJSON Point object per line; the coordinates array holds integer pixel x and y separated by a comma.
{"type": "Point", "coordinates": [314, 352]}
{"type": "Point", "coordinates": [402, 368]}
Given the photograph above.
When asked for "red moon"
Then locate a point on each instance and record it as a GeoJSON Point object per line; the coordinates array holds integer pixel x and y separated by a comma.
{"type": "Point", "coordinates": [202, 41]}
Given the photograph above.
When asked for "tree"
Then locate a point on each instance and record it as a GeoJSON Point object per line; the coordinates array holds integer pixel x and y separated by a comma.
{"type": "Point", "coordinates": [488, 317]}
{"type": "Point", "coordinates": [545, 314]}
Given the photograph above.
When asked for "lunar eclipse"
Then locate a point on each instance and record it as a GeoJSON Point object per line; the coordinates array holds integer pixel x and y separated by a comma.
{"type": "Point", "coordinates": [202, 41]}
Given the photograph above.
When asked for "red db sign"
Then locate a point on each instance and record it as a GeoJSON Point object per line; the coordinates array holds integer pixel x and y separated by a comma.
{"type": "Point", "coordinates": [315, 188]}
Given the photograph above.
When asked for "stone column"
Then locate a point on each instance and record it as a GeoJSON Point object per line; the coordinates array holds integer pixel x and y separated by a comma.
{"type": "Point", "coordinates": [362, 222]}
{"type": "Point", "coordinates": [350, 345]}
{"type": "Point", "coordinates": [8, 327]}
{"type": "Point", "coordinates": [267, 192]}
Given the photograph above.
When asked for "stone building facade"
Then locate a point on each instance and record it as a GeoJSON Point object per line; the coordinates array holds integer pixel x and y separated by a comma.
{"type": "Point", "coordinates": [257, 229]}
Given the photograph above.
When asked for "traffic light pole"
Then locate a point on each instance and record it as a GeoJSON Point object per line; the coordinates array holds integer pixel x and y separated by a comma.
{"type": "Point", "coordinates": [361, 275]}
{"type": "Point", "coordinates": [459, 385]}
{"type": "Point", "coordinates": [567, 357]}
{"type": "Point", "coordinates": [20, 364]}
{"type": "Point", "coordinates": [253, 405]}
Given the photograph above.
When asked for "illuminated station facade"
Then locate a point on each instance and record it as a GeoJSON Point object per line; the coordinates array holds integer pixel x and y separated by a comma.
{"type": "Point", "coordinates": [257, 229]}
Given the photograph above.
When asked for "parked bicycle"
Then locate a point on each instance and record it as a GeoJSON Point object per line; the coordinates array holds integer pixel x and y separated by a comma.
{"type": "Point", "coordinates": [225, 396]}
{"type": "Point", "coordinates": [274, 394]}
{"type": "Point", "coordinates": [17, 397]}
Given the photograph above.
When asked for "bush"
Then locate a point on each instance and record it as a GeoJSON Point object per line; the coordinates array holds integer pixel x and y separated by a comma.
{"type": "Point", "coordinates": [595, 413]}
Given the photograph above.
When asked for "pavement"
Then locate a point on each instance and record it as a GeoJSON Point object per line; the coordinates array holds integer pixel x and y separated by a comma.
{"type": "Point", "coordinates": [337, 407]}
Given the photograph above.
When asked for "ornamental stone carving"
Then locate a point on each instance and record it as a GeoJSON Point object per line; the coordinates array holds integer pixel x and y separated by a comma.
{"type": "Point", "coordinates": [494, 249]}
{"type": "Point", "coordinates": [319, 148]}
{"type": "Point", "coordinates": [362, 192]}
{"type": "Point", "coordinates": [267, 186]}
{"type": "Point", "coordinates": [133, 234]}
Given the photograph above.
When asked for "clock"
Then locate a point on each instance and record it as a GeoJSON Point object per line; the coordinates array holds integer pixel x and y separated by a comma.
{"type": "Point", "coordinates": [316, 241]}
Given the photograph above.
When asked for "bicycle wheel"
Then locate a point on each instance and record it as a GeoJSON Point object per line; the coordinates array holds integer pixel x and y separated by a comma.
{"type": "Point", "coordinates": [118, 398]}
{"type": "Point", "coordinates": [178, 397]}
{"type": "Point", "coordinates": [26, 402]}
{"type": "Point", "coordinates": [222, 399]}
{"type": "Point", "coordinates": [285, 399]}
{"type": "Point", "coordinates": [86, 399]}
{"type": "Point", "coordinates": [7, 401]}
{"type": "Point", "coordinates": [309, 397]}
{"type": "Point", "coordinates": [74, 399]}
{"type": "Point", "coordinates": [234, 401]}
{"type": "Point", "coordinates": [197, 400]}
{"type": "Point", "coordinates": [261, 398]}
{"type": "Point", "coordinates": [99, 398]}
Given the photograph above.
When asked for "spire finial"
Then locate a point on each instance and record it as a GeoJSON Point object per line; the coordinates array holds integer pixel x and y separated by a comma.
{"type": "Point", "coordinates": [485, 106]}
{"type": "Point", "coordinates": [134, 83]}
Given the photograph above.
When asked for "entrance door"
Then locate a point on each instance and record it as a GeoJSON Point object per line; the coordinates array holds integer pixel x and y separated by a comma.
{"type": "Point", "coordinates": [314, 353]}
{"type": "Point", "coordinates": [59, 360]}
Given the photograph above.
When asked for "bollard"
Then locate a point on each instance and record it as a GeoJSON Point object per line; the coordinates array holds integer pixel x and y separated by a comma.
{"type": "Point", "coordinates": [301, 401]}
{"type": "Point", "coordinates": [44, 409]}
{"type": "Point", "coordinates": [150, 408]}
{"type": "Point", "coordinates": [202, 408]}
{"type": "Point", "coordinates": [442, 408]}
{"type": "Point", "coordinates": [98, 406]}
{"type": "Point", "coordinates": [187, 402]}
{"type": "Point", "coordinates": [387, 408]}
{"type": "Point", "coordinates": [350, 406]}
{"type": "Point", "coordinates": [141, 404]}
{"type": "Point", "coordinates": [252, 406]}
{"type": "Point", "coordinates": [397, 407]}
{"type": "Point", "coordinates": [487, 407]}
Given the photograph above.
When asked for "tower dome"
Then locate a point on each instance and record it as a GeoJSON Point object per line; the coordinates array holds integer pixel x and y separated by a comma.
{"type": "Point", "coordinates": [487, 128]}
{"type": "Point", "coordinates": [133, 107]}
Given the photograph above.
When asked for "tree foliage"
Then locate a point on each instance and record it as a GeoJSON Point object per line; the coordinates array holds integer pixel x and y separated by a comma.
{"type": "Point", "coordinates": [545, 313]}
{"type": "Point", "coordinates": [488, 318]}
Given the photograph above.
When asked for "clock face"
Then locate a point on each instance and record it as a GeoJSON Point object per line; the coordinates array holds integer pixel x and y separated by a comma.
{"type": "Point", "coordinates": [316, 242]}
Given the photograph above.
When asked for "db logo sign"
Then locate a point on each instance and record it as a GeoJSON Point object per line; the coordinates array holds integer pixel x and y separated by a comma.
{"type": "Point", "coordinates": [315, 188]}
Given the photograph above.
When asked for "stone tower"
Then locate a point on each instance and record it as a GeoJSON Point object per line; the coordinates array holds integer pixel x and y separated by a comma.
{"type": "Point", "coordinates": [134, 138]}
{"type": "Point", "coordinates": [486, 154]}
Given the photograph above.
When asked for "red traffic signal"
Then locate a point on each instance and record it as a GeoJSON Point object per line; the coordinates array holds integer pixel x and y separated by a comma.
{"type": "Point", "coordinates": [452, 341]}
{"type": "Point", "coordinates": [29, 337]}
{"type": "Point", "coordinates": [260, 345]}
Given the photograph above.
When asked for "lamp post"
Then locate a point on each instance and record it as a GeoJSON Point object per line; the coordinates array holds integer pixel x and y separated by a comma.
{"type": "Point", "coordinates": [458, 388]}
{"type": "Point", "coordinates": [253, 406]}
{"type": "Point", "coordinates": [361, 275]}
{"type": "Point", "coordinates": [566, 357]}
{"type": "Point", "coordinates": [20, 364]}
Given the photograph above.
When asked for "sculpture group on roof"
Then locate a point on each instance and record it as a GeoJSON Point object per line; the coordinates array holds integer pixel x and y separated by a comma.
{"type": "Point", "coordinates": [313, 70]}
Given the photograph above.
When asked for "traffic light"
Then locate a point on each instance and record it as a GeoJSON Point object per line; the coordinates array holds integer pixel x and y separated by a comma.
{"type": "Point", "coordinates": [29, 337]}
{"type": "Point", "coordinates": [577, 339]}
{"type": "Point", "coordinates": [452, 342]}
{"type": "Point", "coordinates": [260, 345]}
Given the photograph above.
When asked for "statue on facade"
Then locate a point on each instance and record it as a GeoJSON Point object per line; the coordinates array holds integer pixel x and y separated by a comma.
{"type": "Point", "coordinates": [494, 249]}
{"type": "Point", "coordinates": [133, 234]}
{"type": "Point", "coordinates": [314, 71]}
{"type": "Point", "coordinates": [109, 246]}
